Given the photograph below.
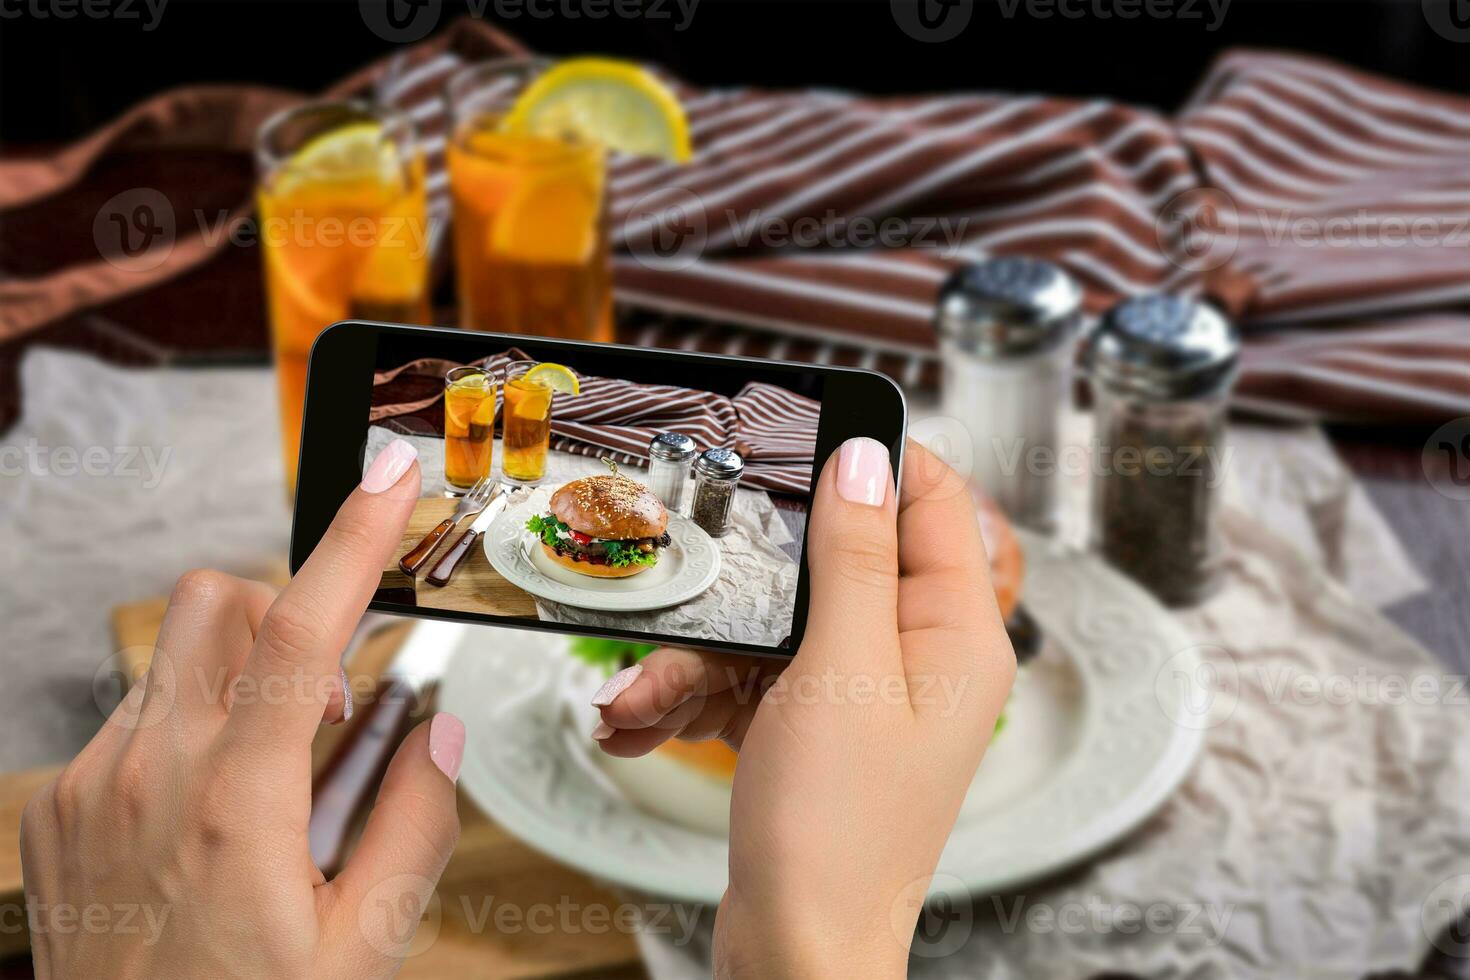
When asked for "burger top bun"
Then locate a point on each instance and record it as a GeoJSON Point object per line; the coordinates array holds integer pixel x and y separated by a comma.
{"type": "Point", "coordinates": [610, 506]}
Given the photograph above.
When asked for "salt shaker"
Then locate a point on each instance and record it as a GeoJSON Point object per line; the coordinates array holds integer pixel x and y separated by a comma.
{"type": "Point", "coordinates": [1007, 328]}
{"type": "Point", "coordinates": [670, 458]}
{"type": "Point", "coordinates": [716, 474]}
{"type": "Point", "coordinates": [1162, 368]}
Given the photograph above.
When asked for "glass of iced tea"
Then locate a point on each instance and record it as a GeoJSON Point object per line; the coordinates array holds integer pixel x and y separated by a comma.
{"type": "Point", "coordinates": [469, 426]}
{"type": "Point", "coordinates": [525, 428]}
{"type": "Point", "coordinates": [530, 219]}
{"type": "Point", "coordinates": [343, 233]}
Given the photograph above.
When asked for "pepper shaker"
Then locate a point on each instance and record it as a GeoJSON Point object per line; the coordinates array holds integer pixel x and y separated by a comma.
{"type": "Point", "coordinates": [1007, 328]}
{"type": "Point", "coordinates": [670, 458]}
{"type": "Point", "coordinates": [716, 474]}
{"type": "Point", "coordinates": [1162, 368]}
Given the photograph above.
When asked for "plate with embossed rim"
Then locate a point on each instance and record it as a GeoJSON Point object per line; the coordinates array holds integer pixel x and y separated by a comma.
{"type": "Point", "coordinates": [689, 565]}
{"type": "Point", "coordinates": [1101, 730]}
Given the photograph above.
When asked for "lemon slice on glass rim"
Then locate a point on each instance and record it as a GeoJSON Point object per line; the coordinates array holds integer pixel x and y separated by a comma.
{"type": "Point", "coordinates": [615, 103]}
{"type": "Point", "coordinates": [557, 377]}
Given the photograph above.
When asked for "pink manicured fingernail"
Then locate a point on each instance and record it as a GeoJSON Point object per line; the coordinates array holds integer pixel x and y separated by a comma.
{"type": "Point", "coordinates": [862, 471]}
{"type": "Point", "coordinates": [390, 464]}
{"type": "Point", "coordinates": [616, 684]}
{"type": "Point", "coordinates": [446, 744]}
{"type": "Point", "coordinates": [602, 731]}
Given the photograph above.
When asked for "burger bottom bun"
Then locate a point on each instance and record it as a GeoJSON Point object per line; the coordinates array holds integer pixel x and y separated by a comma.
{"type": "Point", "coordinates": [587, 568]}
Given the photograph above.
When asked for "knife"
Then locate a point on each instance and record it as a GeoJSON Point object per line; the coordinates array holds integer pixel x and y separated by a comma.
{"type": "Point", "coordinates": [469, 504]}
{"type": "Point", "coordinates": [353, 776]}
{"type": "Point", "coordinates": [442, 571]}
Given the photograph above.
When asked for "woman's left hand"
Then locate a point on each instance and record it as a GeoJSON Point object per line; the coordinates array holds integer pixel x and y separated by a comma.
{"type": "Point", "coordinates": [175, 844]}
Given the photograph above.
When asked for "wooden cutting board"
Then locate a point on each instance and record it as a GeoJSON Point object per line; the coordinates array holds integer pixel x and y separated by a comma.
{"type": "Point", "coordinates": [475, 587]}
{"type": "Point", "coordinates": [489, 869]}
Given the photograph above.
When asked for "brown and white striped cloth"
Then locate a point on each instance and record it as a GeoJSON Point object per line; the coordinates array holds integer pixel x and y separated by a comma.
{"type": "Point", "coordinates": [1346, 195]}
{"type": "Point", "coordinates": [774, 429]}
{"type": "Point", "coordinates": [1354, 328]}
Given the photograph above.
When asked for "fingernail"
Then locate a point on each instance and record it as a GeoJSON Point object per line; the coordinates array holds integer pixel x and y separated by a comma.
{"type": "Point", "coordinates": [602, 732]}
{"type": "Point", "coordinates": [346, 696]}
{"type": "Point", "coordinates": [446, 744]}
{"type": "Point", "coordinates": [616, 684]}
{"type": "Point", "coordinates": [390, 464]}
{"type": "Point", "coordinates": [862, 471]}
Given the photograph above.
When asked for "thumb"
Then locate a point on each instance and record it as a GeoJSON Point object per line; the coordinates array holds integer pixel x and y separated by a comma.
{"type": "Point", "coordinates": [413, 829]}
{"type": "Point", "coordinates": [852, 556]}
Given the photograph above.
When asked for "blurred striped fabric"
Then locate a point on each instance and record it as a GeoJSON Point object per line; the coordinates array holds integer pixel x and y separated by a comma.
{"type": "Point", "coordinates": [1333, 208]}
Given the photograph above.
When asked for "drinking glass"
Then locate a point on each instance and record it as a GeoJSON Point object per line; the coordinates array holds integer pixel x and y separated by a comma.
{"type": "Point", "coordinates": [530, 218]}
{"type": "Point", "coordinates": [525, 424]}
{"type": "Point", "coordinates": [469, 427]}
{"type": "Point", "coordinates": [343, 233]}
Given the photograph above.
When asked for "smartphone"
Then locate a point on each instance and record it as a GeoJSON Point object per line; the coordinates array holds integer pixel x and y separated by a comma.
{"type": "Point", "coordinates": [541, 506]}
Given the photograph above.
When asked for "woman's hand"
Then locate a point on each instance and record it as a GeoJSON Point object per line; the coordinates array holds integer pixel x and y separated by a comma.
{"type": "Point", "coordinates": [188, 812]}
{"type": "Point", "coordinates": [855, 758]}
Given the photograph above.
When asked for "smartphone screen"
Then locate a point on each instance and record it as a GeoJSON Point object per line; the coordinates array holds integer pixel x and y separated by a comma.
{"type": "Point", "coordinates": [587, 488]}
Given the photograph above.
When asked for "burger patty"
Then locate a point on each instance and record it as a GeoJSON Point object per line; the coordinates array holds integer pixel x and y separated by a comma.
{"type": "Point", "coordinates": [596, 554]}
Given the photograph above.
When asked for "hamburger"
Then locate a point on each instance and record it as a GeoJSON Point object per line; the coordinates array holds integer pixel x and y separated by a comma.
{"type": "Point", "coordinates": [605, 526]}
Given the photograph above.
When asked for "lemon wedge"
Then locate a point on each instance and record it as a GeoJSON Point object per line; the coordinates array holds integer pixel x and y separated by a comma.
{"type": "Point", "coordinates": [557, 377]}
{"type": "Point", "coordinates": [615, 103]}
{"type": "Point", "coordinates": [353, 152]}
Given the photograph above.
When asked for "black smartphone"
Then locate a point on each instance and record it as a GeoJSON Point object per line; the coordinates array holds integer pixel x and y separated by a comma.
{"type": "Point", "coordinates": [542, 505]}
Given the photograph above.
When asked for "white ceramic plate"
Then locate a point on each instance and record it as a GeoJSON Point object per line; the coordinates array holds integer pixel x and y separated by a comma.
{"type": "Point", "coordinates": [1091, 749]}
{"type": "Point", "coordinates": [688, 566]}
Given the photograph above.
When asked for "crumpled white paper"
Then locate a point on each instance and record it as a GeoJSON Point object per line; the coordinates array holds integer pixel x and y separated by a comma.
{"type": "Point", "coordinates": [113, 482]}
{"type": "Point", "coordinates": [752, 601]}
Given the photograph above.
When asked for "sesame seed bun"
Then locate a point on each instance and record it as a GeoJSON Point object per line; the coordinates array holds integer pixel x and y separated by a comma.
{"type": "Point", "coordinates": [587, 568]}
{"type": "Point", "coordinates": [611, 507]}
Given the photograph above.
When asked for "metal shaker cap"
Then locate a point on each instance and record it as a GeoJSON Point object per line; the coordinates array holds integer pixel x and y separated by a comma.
{"type": "Point", "coordinates": [672, 446]}
{"type": "Point", "coordinates": [1008, 306]}
{"type": "Point", "coordinates": [1164, 348]}
{"type": "Point", "coordinates": [723, 464]}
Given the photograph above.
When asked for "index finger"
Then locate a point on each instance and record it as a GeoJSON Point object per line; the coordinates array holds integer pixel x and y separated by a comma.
{"type": "Point", "coordinates": [293, 666]}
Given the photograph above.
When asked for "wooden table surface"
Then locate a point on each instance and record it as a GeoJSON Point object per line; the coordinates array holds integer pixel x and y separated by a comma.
{"type": "Point", "coordinates": [476, 586]}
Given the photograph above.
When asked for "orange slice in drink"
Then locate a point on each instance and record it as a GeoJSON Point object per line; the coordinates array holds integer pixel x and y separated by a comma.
{"type": "Point", "coordinates": [550, 219]}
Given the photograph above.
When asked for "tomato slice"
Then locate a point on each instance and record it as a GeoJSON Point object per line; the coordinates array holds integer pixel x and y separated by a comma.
{"type": "Point", "coordinates": [581, 538]}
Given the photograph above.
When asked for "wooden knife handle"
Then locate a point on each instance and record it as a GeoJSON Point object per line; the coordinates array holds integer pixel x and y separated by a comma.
{"type": "Point", "coordinates": [442, 571]}
{"type": "Point", "coordinates": [411, 562]}
{"type": "Point", "coordinates": [353, 776]}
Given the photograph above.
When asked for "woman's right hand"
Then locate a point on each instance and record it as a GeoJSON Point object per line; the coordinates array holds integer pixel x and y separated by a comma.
{"type": "Point", "coordinates": [854, 758]}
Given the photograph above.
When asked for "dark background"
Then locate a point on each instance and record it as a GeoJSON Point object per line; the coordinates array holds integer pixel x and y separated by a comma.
{"type": "Point", "coordinates": [62, 78]}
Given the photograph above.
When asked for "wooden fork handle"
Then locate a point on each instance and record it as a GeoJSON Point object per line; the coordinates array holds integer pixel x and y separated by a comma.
{"type": "Point", "coordinates": [414, 560]}
{"type": "Point", "coordinates": [442, 571]}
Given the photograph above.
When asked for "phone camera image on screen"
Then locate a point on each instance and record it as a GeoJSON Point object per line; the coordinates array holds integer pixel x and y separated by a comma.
{"type": "Point", "coordinates": [585, 488]}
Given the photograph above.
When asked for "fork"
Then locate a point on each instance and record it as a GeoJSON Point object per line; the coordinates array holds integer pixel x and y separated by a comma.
{"type": "Point", "coordinates": [470, 504]}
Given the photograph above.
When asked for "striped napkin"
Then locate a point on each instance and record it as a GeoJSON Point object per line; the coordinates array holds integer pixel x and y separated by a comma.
{"type": "Point", "coordinates": [773, 429]}
{"type": "Point", "coordinates": [1360, 326]}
